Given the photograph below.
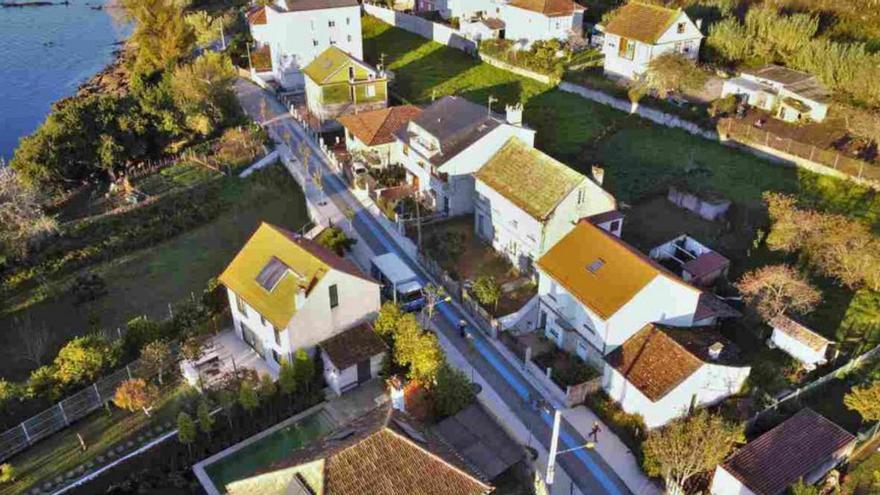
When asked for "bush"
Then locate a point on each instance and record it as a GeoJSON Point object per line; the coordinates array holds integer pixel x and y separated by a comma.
{"type": "Point", "coordinates": [630, 428]}
{"type": "Point", "coordinates": [541, 57]}
{"type": "Point", "coordinates": [42, 383]}
{"type": "Point", "coordinates": [445, 247]}
{"type": "Point", "coordinates": [141, 331]}
{"type": "Point", "coordinates": [452, 392]}
{"type": "Point", "coordinates": [723, 106]}
{"type": "Point", "coordinates": [84, 359]}
{"type": "Point", "coordinates": [88, 287]}
{"type": "Point", "coordinates": [334, 239]}
{"type": "Point", "coordinates": [7, 473]}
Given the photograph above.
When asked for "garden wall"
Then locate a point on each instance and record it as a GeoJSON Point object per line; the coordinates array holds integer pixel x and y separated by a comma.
{"type": "Point", "coordinates": [440, 33]}
{"type": "Point", "coordinates": [518, 70]}
{"type": "Point", "coordinates": [573, 395]}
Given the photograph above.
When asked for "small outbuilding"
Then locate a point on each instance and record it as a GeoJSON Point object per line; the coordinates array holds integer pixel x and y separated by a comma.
{"type": "Point", "coordinates": [692, 261]}
{"type": "Point", "coordinates": [788, 94]}
{"type": "Point", "coordinates": [805, 446]}
{"type": "Point", "coordinates": [352, 357]}
{"type": "Point", "coordinates": [798, 341]}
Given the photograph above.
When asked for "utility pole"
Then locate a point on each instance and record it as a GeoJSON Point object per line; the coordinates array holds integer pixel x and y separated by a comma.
{"type": "Point", "coordinates": [492, 100]}
{"type": "Point", "coordinates": [222, 36]}
{"type": "Point", "coordinates": [250, 65]}
{"type": "Point", "coordinates": [418, 220]}
{"type": "Point", "coordinates": [554, 446]}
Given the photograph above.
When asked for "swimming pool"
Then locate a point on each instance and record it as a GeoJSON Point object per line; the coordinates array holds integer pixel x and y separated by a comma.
{"type": "Point", "coordinates": [268, 450]}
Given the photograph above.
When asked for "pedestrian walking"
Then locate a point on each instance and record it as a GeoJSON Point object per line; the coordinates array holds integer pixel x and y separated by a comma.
{"type": "Point", "coordinates": [462, 328]}
{"type": "Point", "coordinates": [594, 433]}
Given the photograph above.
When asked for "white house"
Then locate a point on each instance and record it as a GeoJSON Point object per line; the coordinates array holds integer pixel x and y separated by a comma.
{"type": "Point", "coordinates": [788, 94]}
{"type": "Point", "coordinates": [595, 292]}
{"type": "Point", "coordinates": [798, 341]}
{"type": "Point", "coordinates": [662, 372]}
{"type": "Point", "coordinates": [287, 292]}
{"type": "Point", "coordinates": [638, 33]}
{"type": "Point", "coordinates": [460, 9]}
{"type": "Point", "coordinates": [526, 201]}
{"type": "Point", "coordinates": [296, 31]}
{"type": "Point", "coordinates": [352, 357]}
{"type": "Point", "coordinates": [371, 134]}
{"type": "Point", "coordinates": [482, 28]}
{"type": "Point", "coordinates": [805, 447]}
{"type": "Point", "coordinates": [444, 146]}
{"type": "Point", "coordinates": [527, 21]}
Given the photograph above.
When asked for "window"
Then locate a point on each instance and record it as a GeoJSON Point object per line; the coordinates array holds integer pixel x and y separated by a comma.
{"type": "Point", "coordinates": [514, 224]}
{"type": "Point", "coordinates": [263, 321]}
{"type": "Point", "coordinates": [277, 335]}
{"type": "Point", "coordinates": [582, 196]}
{"type": "Point", "coordinates": [542, 321]}
{"type": "Point", "coordinates": [615, 226]}
{"type": "Point", "coordinates": [351, 73]}
{"type": "Point", "coordinates": [334, 296]}
{"type": "Point", "coordinates": [314, 42]}
{"type": "Point", "coordinates": [680, 28]}
{"type": "Point", "coordinates": [553, 333]}
{"type": "Point", "coordinates": [627, 49]}
{"type": "Point", "coordinates": [332, 43]}
{"type": "Point", "coordinates": [349, 38]}
{"type": "Point", "coordinates": [589, 329]}
{"type": "Point", "coordinates": [242, 307]}
{"type": "Point", "coordinates": [370, 91]}
{"type": "Point", "coordinates": [331, 23]}
{"type": "Point", "coordinates": [276, 356]}
{"type": "Point", "coordinates": [348, 23]}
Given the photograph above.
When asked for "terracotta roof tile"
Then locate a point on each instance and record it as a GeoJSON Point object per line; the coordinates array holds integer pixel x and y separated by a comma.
{"type": "Point", "coordinates": [377, 127]}
{"type": "Point", "coordinates": [777, 459]}
{"type": "Point", "coordinates": [257, 16]}
{"type": "Point", "coordinates": [706, 264]}
{"type": "Point", "coordinates": [642, 22]}
{"type": "Point", "coordinates": [550, 8]}
{"type": "Point", "coordinates": [352, 346]}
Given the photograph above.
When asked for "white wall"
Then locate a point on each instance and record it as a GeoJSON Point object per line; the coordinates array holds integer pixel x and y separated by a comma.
{"type": "Point", "coordinates": [359, 300]}
{"type": "Point", "coordinates": [527, 26]}
{"type": "Point", "coordinates": [338, 380]}
{"type": "Point", "coordinates": [440, 33]}
{"type": "Point", "coordinates": [297, 38]}
{"type": "Point", "coordinates": [797, 349]}
{"type": "Point", "coordinates": [725, 483]}
{"type": "Point", "coordinates": [710, 384]}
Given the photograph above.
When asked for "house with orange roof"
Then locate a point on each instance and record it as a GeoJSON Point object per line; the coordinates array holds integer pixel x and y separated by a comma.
{"type": "Point", "coordinates": [371, 134]}
{"type": "Point", "coordinates": [637, 33]}
{"type": "Point", "coordinates": [287, 292]}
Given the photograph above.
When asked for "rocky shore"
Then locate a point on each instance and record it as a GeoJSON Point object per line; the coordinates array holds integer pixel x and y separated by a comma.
{"type": "Point", "coordinates": [112, 79]}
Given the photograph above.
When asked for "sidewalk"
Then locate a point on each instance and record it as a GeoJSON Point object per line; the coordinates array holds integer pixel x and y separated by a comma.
{"type": "Point", "coordinates": [505, 393]}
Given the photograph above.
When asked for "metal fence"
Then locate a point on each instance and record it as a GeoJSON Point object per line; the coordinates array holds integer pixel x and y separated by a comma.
{"type": "Point", "coordinates": [748, 134]}
{"type": "Point", "coordinates": [64, 413]}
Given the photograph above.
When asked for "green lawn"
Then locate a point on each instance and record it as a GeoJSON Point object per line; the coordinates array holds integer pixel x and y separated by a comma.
{"type": "Point", "coordinates": [146, 281]}
{"type": "Point", "coordinates": [62, 452]}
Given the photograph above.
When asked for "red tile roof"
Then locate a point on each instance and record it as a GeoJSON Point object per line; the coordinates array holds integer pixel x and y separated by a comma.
{"type": "Point", "coordinates": [550, 8]}
{"type": "Point", "coordinates": [257, 17]}
{"type": "Point", "coordinates": [799, 332]}
{"type": "Point", "coordinates": [327, 256]}
{"type": "Point", "coordinates": [352, 346]}
{"type": "Point", "coordinates": [779, 458]}
{"type": "Point", "coordinates": [706, 264]}
{"type": "Point", "coordinates": [377, 127]}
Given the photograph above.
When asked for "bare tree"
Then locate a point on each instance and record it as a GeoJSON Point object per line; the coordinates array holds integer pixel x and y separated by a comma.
{"type": "Point", "coordinates": [34, 339]}
{"type": "Point", "coordinates": [305, 154]}
{"type": "Point", "coordinates": [777, 289]}
{"type": "Point", "coordinates": [22, 221]}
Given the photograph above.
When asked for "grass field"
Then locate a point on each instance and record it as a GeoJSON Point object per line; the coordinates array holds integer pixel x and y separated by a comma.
{"type": "Point", "coordinates": [148, 280]}
{"type": "Point", "coordinates": [641, 160]}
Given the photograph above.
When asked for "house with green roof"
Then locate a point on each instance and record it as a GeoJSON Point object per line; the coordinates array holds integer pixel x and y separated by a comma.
{"type": "Point", "coordinates": [637, 33]}
{"type": "Point", "coordinates": [526, 201]}
{"type": "Point", "coordinates": [339, 84]}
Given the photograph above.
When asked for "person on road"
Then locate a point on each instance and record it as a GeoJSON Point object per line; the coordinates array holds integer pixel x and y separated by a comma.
{"type": "Point", "coordinates": [594, 433]}
{"type": "Point", "coordinates": [462, 328]}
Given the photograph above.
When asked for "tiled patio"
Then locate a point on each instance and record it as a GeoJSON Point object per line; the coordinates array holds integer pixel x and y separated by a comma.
{"type": "Point", "coordinates": [224, 353]}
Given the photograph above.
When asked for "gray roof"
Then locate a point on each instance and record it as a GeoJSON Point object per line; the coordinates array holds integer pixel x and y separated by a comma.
{"type": "Point", "coordinates": [797, 82]}
{"type": "Point", "coordinates": [301, 5]}
{"type": "Point", "coordinates": [456, 123]}
{"type": "Point", "coordinates": [480, 440]}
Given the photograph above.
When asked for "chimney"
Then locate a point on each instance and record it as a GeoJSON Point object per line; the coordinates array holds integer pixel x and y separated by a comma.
{"type": "Point", "coordinates": [598, 174]}
{"type": "Point", "coordinates": [699, 23]}
{"type": "Point", "coordinates": [300, 300]}
{"type": "Point", "coordinates": [515, 114]}
{"type": "Point", "coordinates": [398, 398]}
{"type": "Point", "coordinates": [715, 351]}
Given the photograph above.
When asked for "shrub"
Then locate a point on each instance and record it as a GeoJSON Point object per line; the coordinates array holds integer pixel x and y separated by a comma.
{"type": "Point", "coordinates": [84, 358]}
{"type": "Point", "coordinates": [42, 382]}
{"type": "Point", "coordinates": [7, 473]}
{"type": "Point", "coordinates": [487, 290]}
{"type": "Point", "coordinates": [334, 239]}
{"type": "Point", "coordinates": [723, 106]}
{"type": "Point", "coordinates": [88, 287]}
{"type": "Point", "coordinates": [135, 394]}
{"type": "Point", "coordinates": [140, 332]}
{"type": "Point", "coordinates": [629, 427]}
{"type": "Point", "coordinates": [453, 391]}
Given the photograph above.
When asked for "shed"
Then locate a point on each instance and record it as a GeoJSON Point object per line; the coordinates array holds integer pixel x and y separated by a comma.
{"type": "Point", "coordinates": [708, 206]}
{"type": "Point", "coordinates": [798, 341]}
{"type": "Point", "coordinates": [352, 357]}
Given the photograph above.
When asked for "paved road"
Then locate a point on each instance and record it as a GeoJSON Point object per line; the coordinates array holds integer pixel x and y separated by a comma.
{"type": "Point", "coordinates": [588, 470]}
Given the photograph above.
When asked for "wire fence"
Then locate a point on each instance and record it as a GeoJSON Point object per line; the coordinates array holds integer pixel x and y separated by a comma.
{"type": "Point", "coordinates": [67, 411]}
{"type": "Point", "coordinates": [751, 135]}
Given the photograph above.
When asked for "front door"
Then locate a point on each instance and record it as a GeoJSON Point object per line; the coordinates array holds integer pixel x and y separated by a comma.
{"type": "Point", "coordinates": [363, 368]}
{"type": "Point", "coordinates": [251, 339]}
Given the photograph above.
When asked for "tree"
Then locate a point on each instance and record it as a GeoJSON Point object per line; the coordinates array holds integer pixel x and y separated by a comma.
{"type": "Point", "coordinates": [23, 223]}
{"type": "Point", "coordinates": [802, 488]}
{"type": "Point", "coordinates": [865, 400]}
{"type": "Point", "coordinates": [434, 295]}
{"type": "Point", "coordinates": [202, 91]}
{"type": "Point", "coordinates": [247, 396]}
{"type": "Point", "coordinates": [334, 239]}
{"type": "Point", "coordinates": [672, 72]}
{"type": "Point", "coordinates": [777, 289]}
{"type": "Point", "coordinates": [8, 391]}
{"type": "Point", "coordinates": [418, 350]}
{"type": "Point", "coordinates": [268, 389]}
{"type": "Point", "coordinates": [192, 348]}
{"type": "Point", "coordinates": [488, 291]}
{"type": "Point", "coordinates": [305, 155]}
{"type": "Point", "coordinates": [7, 473]}
{"type": "Point", "coordinates": [156, 357]}
{"type": "Point", "coordinates": [387, 320]}
{"type": "Point", "coordinates": [42, 382]}
{"type": "Point", "coordinates": [206, 420]}
{"type": "Point", "coordinates": [186, 430]}
{"type": "Point", "coordinates": [453, 391]}
{"type": "Point", "coordinates": [304, 369]}
{"type": "Point", "coordinates": [686, 447]}
{"type": "Point", "coordinates": [161, 32]}
{"type": "Point", "coordinates": [287, 378]}
{"type": "Point", "coordinates": [34, 339]}
{"type": "Point", "coordinates": [84, 358]}
{"type": "Point", "coordinates": [227, 399]}
{"type": "Point", "coordinates": [135, 394]}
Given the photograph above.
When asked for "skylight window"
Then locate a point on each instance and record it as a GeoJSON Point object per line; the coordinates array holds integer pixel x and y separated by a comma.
{"type": "Point", "coordinates": [272, 273]}
{"type": "Point", "coordinates": [595, 266]}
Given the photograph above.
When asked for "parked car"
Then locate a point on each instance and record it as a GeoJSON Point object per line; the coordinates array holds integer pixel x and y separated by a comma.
{"type": "Point", "coordinates": [399, 283]}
